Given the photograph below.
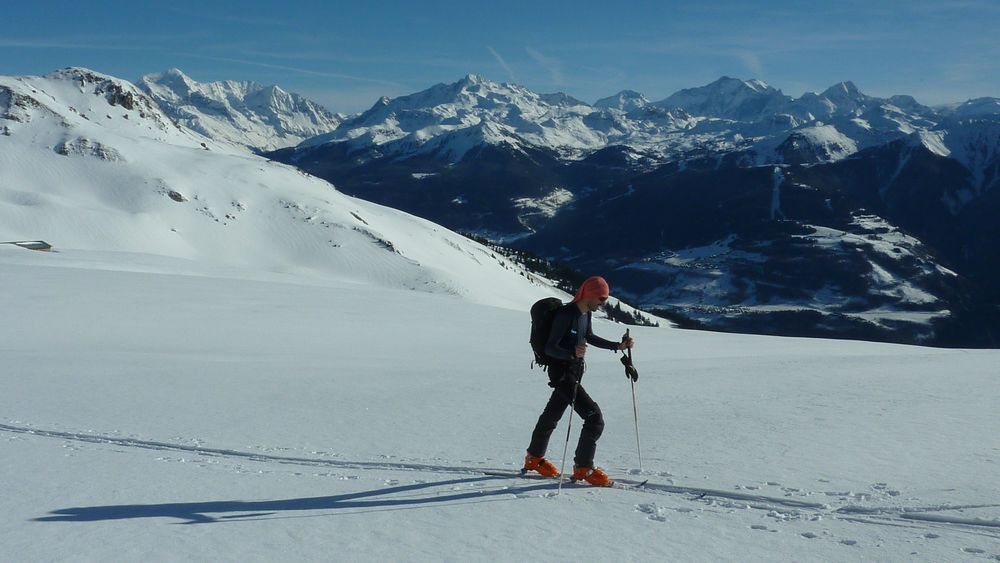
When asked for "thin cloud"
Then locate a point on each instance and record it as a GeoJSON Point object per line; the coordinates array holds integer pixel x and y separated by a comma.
{"type": "Point", "coordinates": [230, 18]}
{"type": "Point", "coordinates": [295, 69]}
{"type": "Point", "coordinates": [318, 56]}
{"type": "Point", "coordinates": [551, 65]}
{"type": "Point", "coordinates": [502, 63]}
{"type": "Point", "coordinates": [46, 44]}
{"type": "Point", "coordinates": [752, 62]}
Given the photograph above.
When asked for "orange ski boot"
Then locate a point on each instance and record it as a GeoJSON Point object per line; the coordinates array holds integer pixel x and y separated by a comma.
{"type": "Point", "coordinates": [592, 475]}
{"type": "Point", "coordinates": [541, 465]}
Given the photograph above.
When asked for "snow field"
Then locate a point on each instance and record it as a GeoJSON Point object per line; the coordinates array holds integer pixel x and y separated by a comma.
{"type": "Point", "coordinates": [347, 421]}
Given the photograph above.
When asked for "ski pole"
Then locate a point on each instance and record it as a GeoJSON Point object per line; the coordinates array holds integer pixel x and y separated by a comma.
{"type": "Point", "coordinates": [569, 425]}
{"type": "Point", "coordinates": [635, 415]}
{"type": "Point", "coordinates": [632, 374]}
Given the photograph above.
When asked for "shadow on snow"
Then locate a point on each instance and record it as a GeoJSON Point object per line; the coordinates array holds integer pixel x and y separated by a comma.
{"type": "Point", "coordinates": [212, 511]}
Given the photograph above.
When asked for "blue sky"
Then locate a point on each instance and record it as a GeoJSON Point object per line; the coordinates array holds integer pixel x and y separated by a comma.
{"type": "Point", "coordinates": [347, 54]}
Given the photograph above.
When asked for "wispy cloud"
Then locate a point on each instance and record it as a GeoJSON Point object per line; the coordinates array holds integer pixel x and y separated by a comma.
{"type": "Point", "coordinates": [294, 69]}
{"type": "Point", "coordinates": [502, 63]}
{"type": "Point", "coordinates": [767, 41]}
{"type": "Point", "coordinates": [316, 54]}
{"type": "Point", "coordinates": [72, 44]}
{"type": "Point", "coordinates": [551, 65]}
{"type": "Point", "coordinates": [752, 62]}
{"type": "Point", "coordinates": [233, 18]}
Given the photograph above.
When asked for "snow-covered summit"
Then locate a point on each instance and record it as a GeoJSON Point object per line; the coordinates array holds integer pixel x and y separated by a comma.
{"type": "Point", "coordinates": [730, 98]}
{"type": "Point", "coordinates": [83, 102]}
{"type": "Point", "coordinates": [245, 113]}
{"type": "Point", "coordinates": [977, 107]}
{"type": "Point", "coordinates": [403, 125]}
{"type": "Point", "coordinates": [626, 100]}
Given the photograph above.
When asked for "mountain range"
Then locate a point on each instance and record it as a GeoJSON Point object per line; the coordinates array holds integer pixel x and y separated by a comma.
{"type": "Point", "coordinates": [244, 113]}
{"type": "Point", "coordinates": [730, 206]}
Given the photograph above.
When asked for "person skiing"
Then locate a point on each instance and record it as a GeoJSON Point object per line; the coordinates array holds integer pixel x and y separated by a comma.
{"type": "Point", "coordinates": [566, 348]}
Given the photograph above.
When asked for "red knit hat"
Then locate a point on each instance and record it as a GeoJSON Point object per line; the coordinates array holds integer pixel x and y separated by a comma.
{"type": "Point", "coordinates": [594, 286]}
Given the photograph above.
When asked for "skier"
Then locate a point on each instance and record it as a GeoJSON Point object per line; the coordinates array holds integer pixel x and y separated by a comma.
{"type": "Point", "coordinates": [566, 348]}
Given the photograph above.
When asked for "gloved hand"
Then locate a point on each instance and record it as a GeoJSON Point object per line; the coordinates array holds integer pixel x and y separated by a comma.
{"type": "Point", "coordinates": [630, 371]}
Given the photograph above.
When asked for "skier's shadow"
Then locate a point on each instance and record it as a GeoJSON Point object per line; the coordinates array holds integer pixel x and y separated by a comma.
{"type": "Point", "coordinates": [199, 512]}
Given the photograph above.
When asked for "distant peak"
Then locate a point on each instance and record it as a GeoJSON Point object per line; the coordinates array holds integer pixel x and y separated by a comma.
{"type": "Point", "coordinates": [175, 72]}
{"type": "Point", "coordinates": [840, 89]}
{"type": "Point", "coordinates": [623, 100]}
{"type": "Point", "coordinates": [730, 83]}
{"type": "Point", "coordinates": [473, 79]}
{"type": "Point", "coordinates": [273, 90]}
{"type": "Point", "coordinates": [76, 72]}
{"type": "Point", "coordinates": [904, 101]}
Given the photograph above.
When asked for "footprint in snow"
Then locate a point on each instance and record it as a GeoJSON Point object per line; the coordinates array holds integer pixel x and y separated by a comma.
{"type": "Point", "coordinates": [652, 511]}
{"type": "Point", "coordinates": [975, 550]}
{"type": "Point", "coordinates": [884, 488]}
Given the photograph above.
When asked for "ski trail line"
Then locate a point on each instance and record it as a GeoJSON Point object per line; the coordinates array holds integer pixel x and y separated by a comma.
{"type": "Point", "coordinates": [759, 502]}
{"type": "Point", "coordinates": [217, 452]}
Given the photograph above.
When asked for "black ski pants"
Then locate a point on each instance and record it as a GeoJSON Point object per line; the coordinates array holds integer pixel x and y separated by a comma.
{"type": "Point", "coordinates": [563, 378]}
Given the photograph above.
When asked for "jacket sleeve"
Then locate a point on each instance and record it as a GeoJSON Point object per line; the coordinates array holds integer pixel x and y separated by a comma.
{"type": "Point", "coordinates": [597, 340]}
{"type": "Point", "coordinates": [560, 326]}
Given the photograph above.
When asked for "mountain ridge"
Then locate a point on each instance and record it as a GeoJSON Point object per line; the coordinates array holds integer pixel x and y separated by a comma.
{"type": "Point", "coordinates": [244, 113]}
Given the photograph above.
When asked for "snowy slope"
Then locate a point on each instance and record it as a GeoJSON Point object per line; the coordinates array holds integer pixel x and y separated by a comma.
{"type": "Point", "coordinates": [89, 162]}
{"type": "Point", "coordinates": [282, 420]}
{"type": "Point", "coordinates": [245, 113]}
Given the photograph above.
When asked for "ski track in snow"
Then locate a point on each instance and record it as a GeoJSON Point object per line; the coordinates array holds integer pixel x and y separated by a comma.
{"type": "Point", "coordinates": [778, 508]}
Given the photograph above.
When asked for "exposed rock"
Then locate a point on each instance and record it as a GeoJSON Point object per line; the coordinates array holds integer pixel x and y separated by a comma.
{"type": "Point", "coordinates": [85, 147]}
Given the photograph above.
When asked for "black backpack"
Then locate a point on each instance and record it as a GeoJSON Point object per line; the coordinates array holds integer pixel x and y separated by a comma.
{"type": "Point", "coordinates": [542, 313]}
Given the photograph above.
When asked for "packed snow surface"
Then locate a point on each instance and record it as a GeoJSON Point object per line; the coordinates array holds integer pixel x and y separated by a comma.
{"type": "Point", "coordinates": [286, 418]}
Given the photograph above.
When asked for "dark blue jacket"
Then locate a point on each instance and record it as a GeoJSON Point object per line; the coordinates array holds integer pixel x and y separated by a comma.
{"type": "Point", "coordinates": [561, 344]}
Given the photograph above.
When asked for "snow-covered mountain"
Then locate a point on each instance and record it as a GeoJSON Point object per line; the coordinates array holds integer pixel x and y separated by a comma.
{"type": "Point", "coordinates": [729, 98]}
{"type": "Point", "coordinates": [626, 101]}
{"type": "Point", "coordinates": [508, 114]}
{"type": "Point", "coordinates": [89, 162]}
{"type": "Point", "coordinates": [259, 117]}
{"type": "Point", "coordinates": [536, 171]}
{"type": "Point", "coordinates": [726, 116]}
